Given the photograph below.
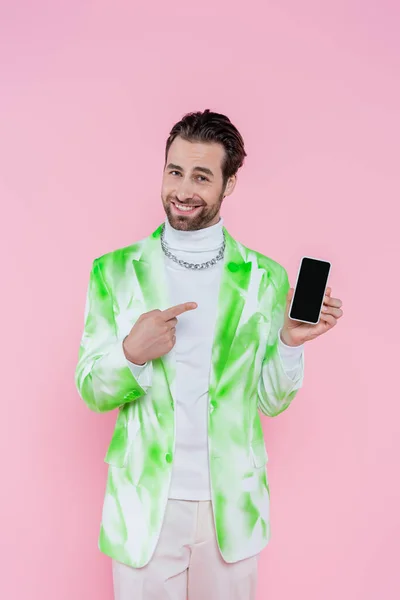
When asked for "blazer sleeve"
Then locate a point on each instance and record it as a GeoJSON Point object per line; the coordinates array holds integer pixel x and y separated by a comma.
{"type": "Point", "coordinates": [103, 377]}
{"type": "Point", "coordinates": [276, 389]}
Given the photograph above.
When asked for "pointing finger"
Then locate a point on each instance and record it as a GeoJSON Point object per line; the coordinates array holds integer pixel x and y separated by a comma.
{"type": "Point", "coordinates": [179, 309]}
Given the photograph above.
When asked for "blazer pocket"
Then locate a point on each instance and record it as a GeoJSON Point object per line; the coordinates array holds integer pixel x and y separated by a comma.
{"type": "Point", "coordinates": [121, 443]}
{"type": "Point", "coordinates": [259, 454]}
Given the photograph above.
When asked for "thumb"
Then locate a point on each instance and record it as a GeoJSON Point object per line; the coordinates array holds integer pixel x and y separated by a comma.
{"type": "Point", "coordinates": [289, 295]}
{"type": "Point", "coordinates": [288, 321]}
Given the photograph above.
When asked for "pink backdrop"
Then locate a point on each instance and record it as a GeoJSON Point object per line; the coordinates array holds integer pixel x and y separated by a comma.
{"type": "Point", "coordinates": [88, 93]}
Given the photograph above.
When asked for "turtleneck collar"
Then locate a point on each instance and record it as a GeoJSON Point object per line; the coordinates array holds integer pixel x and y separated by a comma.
{"type": "Point", "coordinates": [201, 240]}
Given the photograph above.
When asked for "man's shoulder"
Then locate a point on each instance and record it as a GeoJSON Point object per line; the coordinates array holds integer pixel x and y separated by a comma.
{"type": "Point", "coordinates": [123, 254]}
{"type": "Point", "coordinates": [273, 268]}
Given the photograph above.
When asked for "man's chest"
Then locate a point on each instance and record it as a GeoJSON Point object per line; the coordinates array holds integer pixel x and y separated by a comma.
{"type": "Point", "coordinates": [195, 329]}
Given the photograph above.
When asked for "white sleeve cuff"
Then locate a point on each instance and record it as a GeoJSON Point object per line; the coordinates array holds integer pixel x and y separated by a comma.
{"type": "Point", "coordinates": [290, 355]}
{"type": "Point", "coordinates": [142, 373]}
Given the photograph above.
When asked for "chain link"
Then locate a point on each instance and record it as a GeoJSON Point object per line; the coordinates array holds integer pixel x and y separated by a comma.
{"type": "Point", "coordinates": [183, 263]}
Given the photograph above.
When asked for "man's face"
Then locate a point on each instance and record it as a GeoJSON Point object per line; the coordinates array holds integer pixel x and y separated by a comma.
{"type": "Point", "coordinates": [192, 186]}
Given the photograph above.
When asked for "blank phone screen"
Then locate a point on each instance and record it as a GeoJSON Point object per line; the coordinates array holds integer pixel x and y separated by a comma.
{"type": "Point", "coordinates": [310, 290]}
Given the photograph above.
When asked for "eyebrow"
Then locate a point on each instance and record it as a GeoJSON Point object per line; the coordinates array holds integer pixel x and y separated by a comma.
{"type": "Point", "coordinates": [201, 169]}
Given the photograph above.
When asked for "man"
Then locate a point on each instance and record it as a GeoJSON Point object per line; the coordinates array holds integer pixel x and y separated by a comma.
{"type": "Point", "coordinates": [187, 335]}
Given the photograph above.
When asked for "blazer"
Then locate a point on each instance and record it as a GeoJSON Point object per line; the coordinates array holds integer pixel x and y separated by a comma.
{"type": "Point", "coordinates": [246, 378]}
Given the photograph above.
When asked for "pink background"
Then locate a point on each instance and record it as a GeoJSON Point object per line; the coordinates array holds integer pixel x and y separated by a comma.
{"type": "Point", "coordinates": [88, 93]}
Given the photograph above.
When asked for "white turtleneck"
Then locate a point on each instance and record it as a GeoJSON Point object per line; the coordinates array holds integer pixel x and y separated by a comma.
{"type": "Point", "coordinates": [194, 338]}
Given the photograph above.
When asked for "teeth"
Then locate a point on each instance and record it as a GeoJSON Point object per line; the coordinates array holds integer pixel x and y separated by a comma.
{"type": "Point", "coordinates": [183, 207]}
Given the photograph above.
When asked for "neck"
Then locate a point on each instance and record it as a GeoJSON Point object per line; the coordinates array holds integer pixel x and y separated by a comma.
{"type": "Point", "coordinates": [199, 240]}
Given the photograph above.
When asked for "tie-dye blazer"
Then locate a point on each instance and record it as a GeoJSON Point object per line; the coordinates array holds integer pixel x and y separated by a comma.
{"type": "Point", "coordinates": [246, 377]}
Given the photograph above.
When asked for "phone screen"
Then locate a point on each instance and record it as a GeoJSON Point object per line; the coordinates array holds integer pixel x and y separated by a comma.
{"type": "Point", "coordinates": [310, 290]}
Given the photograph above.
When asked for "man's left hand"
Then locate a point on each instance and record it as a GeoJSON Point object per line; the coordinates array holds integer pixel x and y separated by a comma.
{"type": "Point", "coordinates": [294, 333]}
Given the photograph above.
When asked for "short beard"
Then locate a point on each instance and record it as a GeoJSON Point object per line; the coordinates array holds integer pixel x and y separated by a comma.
{"type": "Point", "coordinates": [202, 220]}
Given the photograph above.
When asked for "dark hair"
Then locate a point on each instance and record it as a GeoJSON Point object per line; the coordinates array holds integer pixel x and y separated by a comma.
{"type": "Point", "coordinates": [212, 127]}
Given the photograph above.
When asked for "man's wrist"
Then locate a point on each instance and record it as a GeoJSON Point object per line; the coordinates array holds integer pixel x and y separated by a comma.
{"type": "Point", "coordinates": [132, 359]}
{"type": "Point", "coordinates": [286, 339]}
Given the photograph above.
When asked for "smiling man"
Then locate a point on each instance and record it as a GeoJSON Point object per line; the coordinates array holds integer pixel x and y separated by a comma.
{"type": "Point", "coordinates": [187, 336]}
{"type": "Point", "coordinates": [194, 203]}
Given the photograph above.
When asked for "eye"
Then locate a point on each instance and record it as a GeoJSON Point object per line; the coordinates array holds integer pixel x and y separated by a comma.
{"type": "Point", "coordinates": [174, 172]}
{"type": "Point", "coordinates": [202, 178]}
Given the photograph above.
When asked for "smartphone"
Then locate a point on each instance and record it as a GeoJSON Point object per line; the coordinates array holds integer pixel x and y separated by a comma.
{"type": "Point", "coordinates": [309, 292]}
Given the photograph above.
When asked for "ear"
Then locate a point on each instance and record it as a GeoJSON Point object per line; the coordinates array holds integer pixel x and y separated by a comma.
{"type": "Point", "coordinates": [230, 185]}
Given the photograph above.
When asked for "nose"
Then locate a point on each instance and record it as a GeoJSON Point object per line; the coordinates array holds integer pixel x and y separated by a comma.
{"type": "Point", "coordinates": [185, 190]}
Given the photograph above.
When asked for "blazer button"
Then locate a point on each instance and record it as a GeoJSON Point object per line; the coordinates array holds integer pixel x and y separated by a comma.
{"type": "Point", "coordinates": [168, 457]}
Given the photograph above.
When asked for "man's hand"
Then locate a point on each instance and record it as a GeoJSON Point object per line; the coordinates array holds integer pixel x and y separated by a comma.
{"type": "Point", "coordinates": [294, 333]}
{"type": "Point", "coordinates": [153, 334]}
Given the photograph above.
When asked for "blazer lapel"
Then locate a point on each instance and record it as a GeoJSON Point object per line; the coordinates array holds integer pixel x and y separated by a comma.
{"type": "Point", "coordinates": [235, 278]}
{"type": "Point", "coordinates": [231, 299]}
{"type": "Point", "coordinates": [151, 276]}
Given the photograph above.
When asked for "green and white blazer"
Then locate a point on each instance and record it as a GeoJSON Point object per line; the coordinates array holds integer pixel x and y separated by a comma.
{"type": "Point", "coordinates": [247, 376]}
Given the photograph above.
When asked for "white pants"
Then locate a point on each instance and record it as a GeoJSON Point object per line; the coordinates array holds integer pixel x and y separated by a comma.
{"type": "Point", "coordinates": [187, 563]}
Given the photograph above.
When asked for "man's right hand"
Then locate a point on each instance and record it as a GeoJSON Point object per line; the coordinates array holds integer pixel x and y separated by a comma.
{"type": "Point", "coordinates": [153, 334]}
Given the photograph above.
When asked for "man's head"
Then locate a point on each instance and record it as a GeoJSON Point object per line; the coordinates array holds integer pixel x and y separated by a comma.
{"type": "Point", "coordinates": [203, 153]}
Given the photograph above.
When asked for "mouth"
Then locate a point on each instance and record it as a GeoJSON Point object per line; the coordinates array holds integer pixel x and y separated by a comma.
{"type": "Point", "coordinates": [185, 209]}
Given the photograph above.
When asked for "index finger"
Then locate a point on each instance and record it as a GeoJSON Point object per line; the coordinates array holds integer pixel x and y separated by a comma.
{"type": "Point", "coordinates": [175, 311]}
{"type": "Point", "coordinates": [335, 302]}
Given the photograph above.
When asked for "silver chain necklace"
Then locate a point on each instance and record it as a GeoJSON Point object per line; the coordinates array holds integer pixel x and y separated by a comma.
{"type": "Point", "coordinates": [188, 265]}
